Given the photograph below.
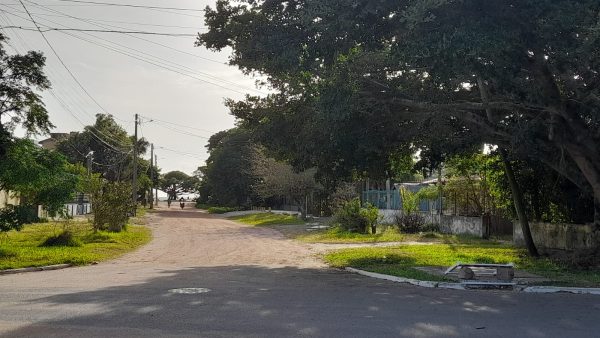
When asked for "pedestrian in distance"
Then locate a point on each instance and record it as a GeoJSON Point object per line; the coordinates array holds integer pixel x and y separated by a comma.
{"type": "Point", "coordinates": [169, 202]}
{"type": "Point", "coordinates": [182, 203]}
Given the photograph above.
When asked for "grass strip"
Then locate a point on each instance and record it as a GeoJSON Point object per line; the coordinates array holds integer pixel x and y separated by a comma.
{"type": "Point", "coordinates": [401, 261]}
{"type": "Point", "coordinates": [24, 249]}
{"type": "Point", "coordinates": [267, 218]}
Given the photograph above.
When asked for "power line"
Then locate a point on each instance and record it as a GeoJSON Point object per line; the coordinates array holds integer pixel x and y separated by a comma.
{"type": "Point", "coordinates": [182, 153]}
{"type": "Point", "coordinates": [98, 20]}
{"type": "Point", "coordinates": [135, 6]}
{"type": "Point", "coordinates": [61, 60]}
{"type": "Point", "coordinates": [66, 107]}
{"type": "Point", "coordinates": [50, 29]}
{"type": "Point", "coordinates": [153, 119]}
{"type": "Point", "coordinates": [161, 60]}
{"type": "Point", "coordinates": [133, 36]}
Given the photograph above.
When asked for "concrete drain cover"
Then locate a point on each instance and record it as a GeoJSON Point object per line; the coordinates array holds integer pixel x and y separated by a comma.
{"type": "Point", "coordinates": [190, 291]}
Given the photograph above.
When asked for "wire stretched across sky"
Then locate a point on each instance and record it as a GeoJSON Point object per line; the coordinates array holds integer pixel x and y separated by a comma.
{"type": "Point", "coordinates": [142, 56]}
{"type": "Point", "coordinates": [65, 106]}
{"type": "Point", "coordinates": [50, 29]}
{"type": "Point", "coordinates": [100, 3]}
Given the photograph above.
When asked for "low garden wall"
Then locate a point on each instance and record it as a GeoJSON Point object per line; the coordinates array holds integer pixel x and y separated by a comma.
{"type": "Point", "coordinates": [462, 225]}
{"type": "Point", "coordinates": [569, 237]}
{"type": "Point", "coordinates": [456, 225]}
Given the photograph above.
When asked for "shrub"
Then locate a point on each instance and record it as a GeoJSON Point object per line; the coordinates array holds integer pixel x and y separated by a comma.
{"type": "Point", "coordinates": [14, 217]}
{"type": "Point", "coordinates": [112, 206]}
{"type": "Point", "coordinates": [65, 238]}
{"type": "Point", "coordinates": [220, 210]}
{"type": "Point", "coordinates": [410, 223]}
{"type": "Point", "coordinates": [353, 218]}
{"type": "Point", "coordinates": [371, 214]}
{"type": "Point", "coordinates": [343, 194]}
{"type": "Point", "coordinates": [9, 219]}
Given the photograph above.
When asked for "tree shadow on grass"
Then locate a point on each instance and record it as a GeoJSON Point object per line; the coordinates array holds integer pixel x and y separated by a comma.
{"type": "Point", "coordinates": [253, 301]}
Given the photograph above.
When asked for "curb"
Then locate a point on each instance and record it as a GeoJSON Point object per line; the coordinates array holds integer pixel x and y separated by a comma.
{"type": "Point", "coordinates": [556, 289]}
{"type": "Point", "coordinates": [39, 268]}
{"type": "Point", "coordinates": [459, 286]}
{"type": "Point", "coordinates": [421, 283]}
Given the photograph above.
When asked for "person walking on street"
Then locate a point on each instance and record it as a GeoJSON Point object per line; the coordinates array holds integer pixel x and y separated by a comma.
{"type": "Point", "coordinates": [169, 202]}
{"type": "Point", "coordinates": [182, 203]}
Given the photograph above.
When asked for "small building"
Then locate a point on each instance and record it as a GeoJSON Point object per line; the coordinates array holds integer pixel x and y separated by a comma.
{"type": "Point", "coordinates": [8, 198]}
{"type": "Point", "coordinates": [55, 138]}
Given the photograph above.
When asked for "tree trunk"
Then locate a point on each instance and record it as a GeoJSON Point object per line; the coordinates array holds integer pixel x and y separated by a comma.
{"type": "Point", "coordinates": [517, 196]}
{"type": "Point", "coordinates": [590, 168]}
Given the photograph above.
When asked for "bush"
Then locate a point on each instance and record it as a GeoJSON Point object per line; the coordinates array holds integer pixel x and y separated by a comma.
{"type": "Point", "coordinates": [343, 194]}
{"type": "Point", "coordinates": [14, 217]}
{"type": "Point", "coordinates": [371, 214]}
{"type": "Point", "coordinates": [220, 210]}
{"type": "Point", "coordinates": [410, 223]}
{"type": "Point", "coordinates": [112, 206]}
{"type": "Point", "coordinates": [65, 238]}
{"type": "Point", "coordinates": [9, 219]}
{"type": "Point", "coordinates": [353, 218]}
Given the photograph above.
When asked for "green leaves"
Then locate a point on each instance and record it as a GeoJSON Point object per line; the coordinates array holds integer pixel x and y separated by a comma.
{"type": "Point", "coordinates": [39, 176]}
{"type": "Point", "coordinates": [20, 77]}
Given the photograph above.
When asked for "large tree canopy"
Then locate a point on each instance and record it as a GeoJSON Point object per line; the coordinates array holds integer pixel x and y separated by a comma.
{"type": "Point", "coordinates": [175, 183]}
{"type": "Point", "coordinates": [228, 177]}
{"type": "Point", "coordinates": [522, 75]}
{"type": "Point", "coordinates": [39, 176]}
{"type": "Point", "coordinates": [21, 77]}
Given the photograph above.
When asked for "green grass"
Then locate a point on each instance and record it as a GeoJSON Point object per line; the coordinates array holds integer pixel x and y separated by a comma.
{"type": "Point", "coordinates": [23, 249]}
{"type": "Point", "coordinates": [390, 234]}
{"type": "Point", "coordinates": [337, 235]}
{"type": "Point", "coordinates": [267, 219]}
{"type": "Point", "coordinates": [401, 260]}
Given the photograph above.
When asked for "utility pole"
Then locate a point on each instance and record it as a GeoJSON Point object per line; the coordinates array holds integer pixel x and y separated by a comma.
{"type": "Point", "coordinates": [135, 155]}
{"type": "Point", "coordinates": [89, 158]}
{"type": "Point", "coordinates": [156, 190]}
{"type": "Point", "coordinates": [151, 197]}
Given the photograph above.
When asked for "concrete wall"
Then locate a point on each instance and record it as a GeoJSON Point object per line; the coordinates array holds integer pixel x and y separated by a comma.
{"type": "Point", "coordinates": [559, 236]}
{"type": "Point", "coordinates": [457, 225]}
{"type": "Point", "coordinates": [461, 225]}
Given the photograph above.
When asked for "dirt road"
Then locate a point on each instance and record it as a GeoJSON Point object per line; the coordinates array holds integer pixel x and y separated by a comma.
{"type": "Point", "coordinates": [253, 282]}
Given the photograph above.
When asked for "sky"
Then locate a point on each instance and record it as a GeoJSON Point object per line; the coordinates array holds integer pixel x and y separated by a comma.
{"type": "Point", "coordinates": [179, 108]}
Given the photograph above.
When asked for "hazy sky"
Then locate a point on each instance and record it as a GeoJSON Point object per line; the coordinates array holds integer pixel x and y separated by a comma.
{"type": "Point", "coordinates": [123, 85]}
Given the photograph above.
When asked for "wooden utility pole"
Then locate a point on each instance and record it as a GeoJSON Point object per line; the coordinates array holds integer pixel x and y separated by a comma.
{"type": "Point", "coordinates": [135, 155]}
{"type": "Point", "coordinates": [151, 196]}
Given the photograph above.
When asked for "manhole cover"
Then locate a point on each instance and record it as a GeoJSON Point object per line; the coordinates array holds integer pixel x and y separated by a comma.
{"type": "Point", "coordinates": [190, 290]}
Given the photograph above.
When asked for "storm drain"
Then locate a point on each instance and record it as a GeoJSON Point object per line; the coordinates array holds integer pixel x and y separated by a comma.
{"type": "Point", "coordinates": [189, 291]}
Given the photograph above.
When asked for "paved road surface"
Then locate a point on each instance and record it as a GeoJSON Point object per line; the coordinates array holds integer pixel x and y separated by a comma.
{"type": "Point", "coordinates": [262, 285]}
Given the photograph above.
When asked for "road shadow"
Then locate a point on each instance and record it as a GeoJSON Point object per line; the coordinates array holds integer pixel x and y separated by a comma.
{"type": "Point", "coordinates": [253, 301]}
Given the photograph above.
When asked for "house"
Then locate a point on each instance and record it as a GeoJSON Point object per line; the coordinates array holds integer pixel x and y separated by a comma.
{"type": "Point", "coordinates": [6, 198]}
{"type": "Point", "coordinates": [55, 138]}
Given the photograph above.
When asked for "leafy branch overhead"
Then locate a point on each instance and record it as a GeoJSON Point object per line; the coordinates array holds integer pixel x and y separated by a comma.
{"type": "Point", "coordinates": [358, 80]}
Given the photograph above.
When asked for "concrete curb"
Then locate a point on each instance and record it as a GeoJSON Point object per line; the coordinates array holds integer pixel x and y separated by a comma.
{"type": "Point", "coordinates": [558, 289]}
{"type": "Point", "coordinates": [459, 286]}
{"type": "Point", "coordinates": [421, 283]}
{"type": "Point", "coordinates": [38, 268]}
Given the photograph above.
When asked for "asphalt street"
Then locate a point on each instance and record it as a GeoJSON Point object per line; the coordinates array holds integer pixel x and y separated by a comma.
{"type": "Point", "coordinates": [203, 276]}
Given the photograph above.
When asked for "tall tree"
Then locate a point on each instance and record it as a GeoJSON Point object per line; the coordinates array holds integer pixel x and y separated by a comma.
{"type": "Point", "coordinates": [21, 77]}
{"type": "Point", "coordinates": [521, 75]}
{"type": "Point", "coordinates": [228, 177]}
{"type": "Point", "coordinates": [175, 183]}
{"type": "Point", "coordinates": [278, 179]}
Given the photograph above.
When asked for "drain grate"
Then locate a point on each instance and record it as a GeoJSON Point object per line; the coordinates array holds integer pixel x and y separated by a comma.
{"type": "Point", "coordinates": [189, 291]}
